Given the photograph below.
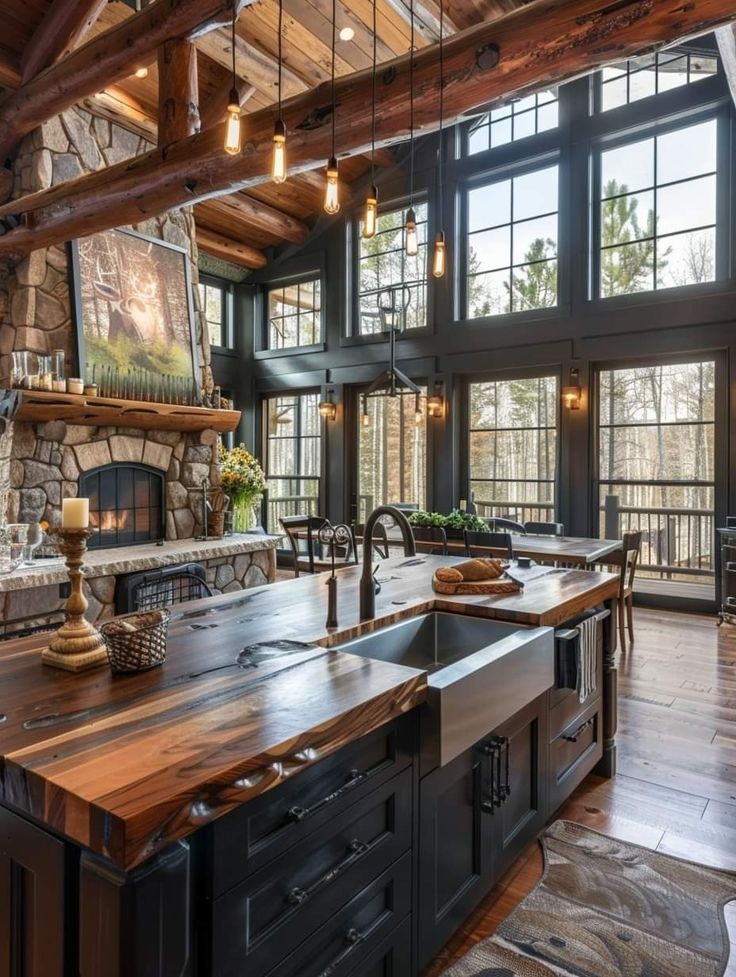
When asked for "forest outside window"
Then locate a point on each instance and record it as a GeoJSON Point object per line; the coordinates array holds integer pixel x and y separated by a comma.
{"type": "Point", "coordinates": [215, 302]}
{"type": "Point", "coordinates": [383, 263]}
{"type": "Point", "coordinates": [656, 434]}
{"type": "Point", "coordinates": [293, 455]}
{"type": "Point", "coordinates": [512, 236]}
{"type": "Point", "coordinates": [295, 314]}
{"type": "Point", "coordinates": [658, 211]}
{"type": "Point", "coordinates": [628, 81]}
{"type": "Point", "coordinates": [517, 119]}
{"type": "Point", "coordinates": [513, 448]}
{"type": "Point", "coordinates": [392, 452]}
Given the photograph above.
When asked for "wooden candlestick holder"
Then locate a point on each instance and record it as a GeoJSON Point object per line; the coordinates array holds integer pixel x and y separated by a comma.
{"type": "Point", "coordinates": [77, 645]}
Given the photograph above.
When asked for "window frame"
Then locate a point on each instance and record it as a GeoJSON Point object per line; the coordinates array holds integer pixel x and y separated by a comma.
{"type": "Point", "coordinates": [263, 350]}
{"type": "Point", "coordinates": [659, 126]}
{"type": "Point", "coordinates": [227, 290]}
{"type": "Point", "coordinates": [506, 376]}
{"type": "Point", "coordinates": [352, 335]}
{"type": "Point", "coordinates": [515, 167]}
{"type": "Point", "coordinates": [521, 144]}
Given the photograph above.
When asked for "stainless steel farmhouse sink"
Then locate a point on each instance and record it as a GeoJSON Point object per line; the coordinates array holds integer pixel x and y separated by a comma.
{"type": "Point", "coordinates": [481, 672]}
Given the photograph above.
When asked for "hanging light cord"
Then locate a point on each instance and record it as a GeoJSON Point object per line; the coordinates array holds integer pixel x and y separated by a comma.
{"type": "Point", "coordinates": [411, 107]}
{"type": "Point", "coordinates": [233, 45]}
{"type": "Point", "coordinates": [334, 21]}
{"type": "Point", "coordinates": [373, 110]}
{"type": "Point", "coordinates": [441, 207]}
{"type": "Point", "coordinates": [281, 23]}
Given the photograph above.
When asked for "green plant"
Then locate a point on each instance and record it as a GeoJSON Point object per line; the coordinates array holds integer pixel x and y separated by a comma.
{"type": "Point", "coordinates": [456, 520]}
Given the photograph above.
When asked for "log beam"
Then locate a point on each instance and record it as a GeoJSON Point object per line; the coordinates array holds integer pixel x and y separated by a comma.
{"type": "Point", "coordinates": [214, 110]}
{"type": "Point", "coordinates": [106, 59]}
{"type": "Point", "coordinates": [178, 91]}
{"type": "Point", "coordinates": [63, 28]}
{"type": "Point", "coordinates": [544, 43]}
{"type": "Point", "coordinates": [226, 249]}
{"type": "Point", "coordinates": [241, 209]}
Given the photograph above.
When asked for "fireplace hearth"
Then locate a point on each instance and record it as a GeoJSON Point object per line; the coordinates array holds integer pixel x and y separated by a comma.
{"type": "Point", "coordinates": [126, 504]}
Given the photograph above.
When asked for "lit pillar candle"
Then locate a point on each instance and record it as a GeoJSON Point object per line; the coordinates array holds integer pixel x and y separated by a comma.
{"type": "Point", "coordinates": [75, 513]}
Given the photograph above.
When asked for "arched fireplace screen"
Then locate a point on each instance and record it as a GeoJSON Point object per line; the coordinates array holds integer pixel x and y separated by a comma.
{"type": "Point", "coordinates": [126, 504]}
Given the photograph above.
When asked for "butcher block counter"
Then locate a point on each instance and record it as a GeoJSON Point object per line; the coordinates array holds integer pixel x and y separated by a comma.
{"type": "Point", "coordinates": [127, 767]}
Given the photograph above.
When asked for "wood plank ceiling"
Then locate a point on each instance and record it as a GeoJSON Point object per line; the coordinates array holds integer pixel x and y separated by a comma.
{"type": "Point", "coordinates": [268, 215]}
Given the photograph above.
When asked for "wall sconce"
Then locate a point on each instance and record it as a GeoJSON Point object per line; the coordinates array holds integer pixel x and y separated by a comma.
{"type": "Point", "coordinates": [327, 408]}
{"type": "Point", "coordinates": [365, 417]}
{"type": "Point", "coordinates": [436, 403]}
{"type": "Point", "coordinates": [572, 395]}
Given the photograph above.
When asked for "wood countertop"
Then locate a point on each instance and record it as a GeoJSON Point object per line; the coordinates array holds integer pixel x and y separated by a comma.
{"type": "Point", "coordinates": [126, 765]}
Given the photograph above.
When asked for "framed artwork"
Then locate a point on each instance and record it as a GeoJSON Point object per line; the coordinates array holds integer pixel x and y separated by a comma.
{"type": "Point", "coordinates": [133, 307]}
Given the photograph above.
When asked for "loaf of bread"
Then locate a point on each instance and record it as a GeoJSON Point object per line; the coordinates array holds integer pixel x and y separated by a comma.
{"type": "Point", "coordinates": [471, 570]}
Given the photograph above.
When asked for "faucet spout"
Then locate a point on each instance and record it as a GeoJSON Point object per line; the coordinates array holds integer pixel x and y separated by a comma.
{"type": "Point", "coordinates": [367, 583]}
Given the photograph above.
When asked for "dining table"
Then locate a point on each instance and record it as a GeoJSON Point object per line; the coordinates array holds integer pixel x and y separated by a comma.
{"type": "Point", "coordinates": [569, 550]}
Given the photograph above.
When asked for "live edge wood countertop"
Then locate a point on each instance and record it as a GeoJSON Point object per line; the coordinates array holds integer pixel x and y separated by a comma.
{"type": "Point", "coordinates": [127, 765]}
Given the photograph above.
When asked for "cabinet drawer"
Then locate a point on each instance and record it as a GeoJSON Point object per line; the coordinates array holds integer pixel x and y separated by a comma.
{"type": "Point", "coordinates": [361, 939]}
{"type": "Point", "coordinates": [273, 911]}
{"type": "Point", "coordinates": [574, 753]}
{"type": "Point", "coordinates": [245, 840]}
{"type": "Point", "coordinates": [565, 706]}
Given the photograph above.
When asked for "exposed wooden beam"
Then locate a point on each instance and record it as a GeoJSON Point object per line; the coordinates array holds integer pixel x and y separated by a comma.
{"type": "Point", "coordinates": [214, 110]}
{"type": "Point", "coordinates": [225, 248]}
{"type": "Point", "coordinates": [106, 59]}
{"type": "Point", "coordinates": [178, 91]}
{"type": "Point", "coordinates": [123, 109]}
{"type": "Point", "coordinates": [243, 210]}
{"type": "Point", "coordinates": [63, 27]}
{"type": "Point", "coordinates": [9, 69]}
{"type": "Point", "coordinates": [547, 42]}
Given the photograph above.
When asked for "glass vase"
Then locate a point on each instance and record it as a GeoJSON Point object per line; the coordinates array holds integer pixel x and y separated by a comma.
{"type": "Point", "coordinates": [246, 514]}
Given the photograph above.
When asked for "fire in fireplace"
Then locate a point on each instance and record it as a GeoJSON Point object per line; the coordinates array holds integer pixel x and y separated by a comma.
{"type": "Point", "coordinates": [126, 504]}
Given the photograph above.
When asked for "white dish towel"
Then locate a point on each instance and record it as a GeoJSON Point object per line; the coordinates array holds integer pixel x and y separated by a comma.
{"type": "Point", "coordinates": [588, 664]}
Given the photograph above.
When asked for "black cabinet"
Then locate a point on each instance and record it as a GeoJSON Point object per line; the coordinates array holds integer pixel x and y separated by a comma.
{"type": "Point", "coordinates": [455, 851]}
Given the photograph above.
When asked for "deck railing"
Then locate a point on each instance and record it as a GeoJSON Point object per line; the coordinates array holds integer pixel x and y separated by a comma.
{"type": "Point", "coordinates": [289, 505]}
{"type": "Point", "coordinates": [518, 511]}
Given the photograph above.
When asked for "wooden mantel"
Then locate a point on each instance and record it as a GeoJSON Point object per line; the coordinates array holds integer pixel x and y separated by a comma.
{"type": "Point", "coordinates": [38, 406]}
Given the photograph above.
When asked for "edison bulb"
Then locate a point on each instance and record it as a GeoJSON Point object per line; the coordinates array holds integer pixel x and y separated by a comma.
{"type": "Point", "coordinates": [440, 256]}
{"type": "Point", "coordinates": [232, 128]}
{"type": "Point", "coordinates": [370, 219]}
{"type": "Point", "coordinates": [411, 238]}
{"type": "Point", "coordinates": [278, 163]}
{"type": "Point", "coordinates": [332, 190]}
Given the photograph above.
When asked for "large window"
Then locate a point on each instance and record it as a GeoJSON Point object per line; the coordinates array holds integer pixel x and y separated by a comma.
{"type": "Point", "coordinates": [392, 452]}
{"type": "Point", "coordinates": [293, 453]}
{"type": "Point", "coordinates": [512, 244]}
{"type": "Point", "coordinates": [658, 211]}
{"type": "Point", "coordinates": [383, 263]}
{"type": "Point", "coordinates": [215, 299]}
{"type": "Point", "coordinates": [656, 463]}
{"type": "Point", "coordinates": [516, 120]}
{"type": "Point", "coordinates": [628, 81]}
{"type": "Point", "coordinates": [513, 447]}
{"type": "Point", "coordinates": [295, 315]}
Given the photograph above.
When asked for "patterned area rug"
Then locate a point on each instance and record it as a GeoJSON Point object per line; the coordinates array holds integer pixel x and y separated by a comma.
{"type": "Point", "coordinates": [606, 908]}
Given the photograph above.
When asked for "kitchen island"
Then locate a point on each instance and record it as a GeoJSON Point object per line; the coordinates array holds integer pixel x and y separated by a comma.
{"type": "Point", "coordinates": [156, 822]}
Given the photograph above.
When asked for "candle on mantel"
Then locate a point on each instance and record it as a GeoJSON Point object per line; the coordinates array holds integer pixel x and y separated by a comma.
{"type": "Point", "coordinates": [75, 513]}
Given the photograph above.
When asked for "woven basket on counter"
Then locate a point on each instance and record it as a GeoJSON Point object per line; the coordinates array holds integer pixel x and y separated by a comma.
{"type": "Point", "coordinates": [136, 642]}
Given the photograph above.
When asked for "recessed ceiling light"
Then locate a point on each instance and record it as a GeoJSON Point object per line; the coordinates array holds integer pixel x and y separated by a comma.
{"type": "Point", "coordinates": [347, 34]}
{"type": "Point", "coordinates": [141, 72]}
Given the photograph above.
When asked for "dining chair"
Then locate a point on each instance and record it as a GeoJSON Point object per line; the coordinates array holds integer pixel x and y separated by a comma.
{"type": "Point", "coordinates": [544, 528]}
{"type": "Point", "coordinates": [306, 549]}
{"type": "Point", "coordinates": [630, 551]}
{"type": "Point", "coordinates": [506, 526]}
{"type": "Point", "coordinates": [431, 539]}
{"type": "Point", "coordinates": [480, 543]}
{"type": "Point", "coordinates": [380, 538]}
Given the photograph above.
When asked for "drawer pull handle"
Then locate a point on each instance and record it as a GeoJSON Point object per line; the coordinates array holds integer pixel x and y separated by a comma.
{"type": "Point", "coordinates": [353, 937]}
{"type": "Point", "coordinates": [356, 850]}
{"type": "Point", "coordinates": [498, 750]}
{"type": "Point", "coordinates": [297, 814]}
{"type": "Point", "coordinates": [574, 737]}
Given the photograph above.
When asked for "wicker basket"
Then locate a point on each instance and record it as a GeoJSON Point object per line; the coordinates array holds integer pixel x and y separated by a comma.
{"type": "Point", "coordinates": [136, 642]}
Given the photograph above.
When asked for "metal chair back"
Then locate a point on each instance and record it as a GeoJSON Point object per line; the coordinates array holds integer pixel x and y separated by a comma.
{"type": "Point", "coordinates": [544, 528]}
{"type": "Point", "coordinates": [485, 544]}
{"type": "Point", "coordinates": [153, 589]}
{"type": "Point", "coordinates": [506, 525]}
{"type": "Point", "coordinates": [431, 535]}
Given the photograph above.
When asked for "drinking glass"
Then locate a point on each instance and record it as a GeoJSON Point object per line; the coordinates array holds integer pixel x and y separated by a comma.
{"type": "Point", "coordinates": [10, 557]}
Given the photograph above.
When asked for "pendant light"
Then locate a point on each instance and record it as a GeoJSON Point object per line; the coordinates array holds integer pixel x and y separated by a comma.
{"type": "Point", "coordinates": [370, 219]}
{"type": "Point", "coordinates": [278, 163]}
{"type": "Point", "coordinates": [439, 259]}
{"type": "Point", "coordinates": [232, 128]}
{"type": "Point", "coordinates": [411, 240]}
{"type": "Point", "coordinates": [365, 417]}
{"type": "Point", "coordinates": [332, 190]}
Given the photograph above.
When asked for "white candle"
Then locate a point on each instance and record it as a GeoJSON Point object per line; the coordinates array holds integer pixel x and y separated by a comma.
{"type": "Point", "coordinates": [75, 513]}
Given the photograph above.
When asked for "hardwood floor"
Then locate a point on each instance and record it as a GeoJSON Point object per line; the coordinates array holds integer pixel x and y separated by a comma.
{"type": "Point", "coordinates": [675, 790]}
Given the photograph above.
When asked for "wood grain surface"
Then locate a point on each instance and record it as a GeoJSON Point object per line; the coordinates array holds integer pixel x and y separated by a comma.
{"type": "Point", "coordinates": [126, 765]}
